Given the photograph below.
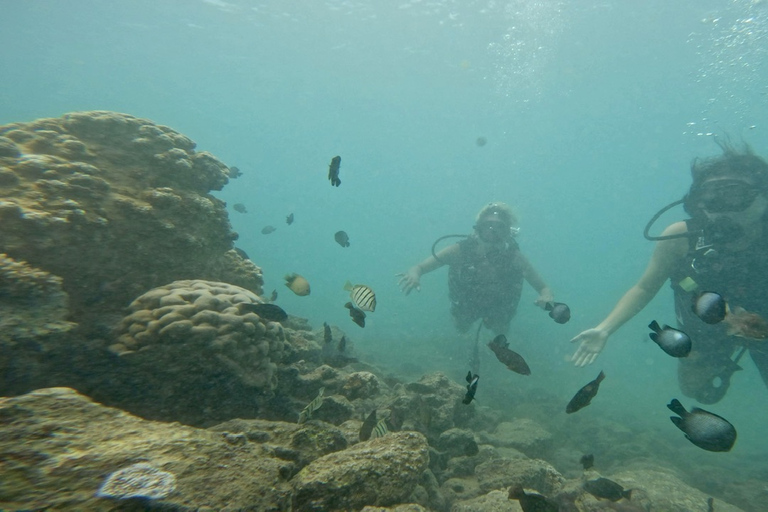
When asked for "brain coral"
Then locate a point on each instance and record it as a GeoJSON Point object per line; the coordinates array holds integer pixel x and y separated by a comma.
{"type": "Point", "coordinates": [198, 328]}
{"type": "Point", "coordinates": [114, 205]}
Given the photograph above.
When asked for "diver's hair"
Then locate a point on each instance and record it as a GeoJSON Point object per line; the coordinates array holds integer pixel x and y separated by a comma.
{"type": "Point", "coordinates": [735, 162]}
{"type": "Point", "coordinates": [503, 211]}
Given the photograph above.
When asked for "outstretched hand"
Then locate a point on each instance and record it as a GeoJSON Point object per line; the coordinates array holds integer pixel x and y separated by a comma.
{"type": "Point", "coordinates": [591, 343]}
{"type": "Point", "coordinates": [409, 281]}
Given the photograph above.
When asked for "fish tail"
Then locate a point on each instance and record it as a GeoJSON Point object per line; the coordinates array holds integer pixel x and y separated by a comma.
{"type": "Point", "coordinates": [549, 306]}
{"type": "Point", "coordinates": [349, 306]}
{"type": "Point", "coordinates": [348, 286]}
{"type": "Point", "coordinates": [654, 326]}
{"type": "Point", "coordinates": [600, 377]}
{"type": "Point", "coordinates": [627, 493]}
{"type": "Point", "coordinates": [676, 407]}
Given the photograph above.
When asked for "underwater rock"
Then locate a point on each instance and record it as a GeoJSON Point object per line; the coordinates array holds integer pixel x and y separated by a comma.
{"type": "Point", "coordinates": [114, 205]}
{"type": "Point", "coordinates": [494, 501]}
{"type": "Point", "coordinates": [198, 324]}
{"type": "Point", "coordinates": [523, 434]}
{"type": "Point", "coordinates": [380, 472]}
{"type": "Point", "coordinates": [433, 405]}
{"type": "Point", "coordinates": [527, 473]}
{"type": "Point", "coordinates": [457, 442]}
{"type": "Point", "coordinates": [71, 444]}
{"type": "Point", "coordinates": [408, 507]}
{"type": "Point", "coordinates": [361, 385]}
{"type": "Point", "coordinates": [138, 481]}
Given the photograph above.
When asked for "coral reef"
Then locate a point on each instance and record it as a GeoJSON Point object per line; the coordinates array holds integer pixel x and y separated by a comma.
{"type": "Point", "coordinates": [201, 324]}
{"type": "Point", "coordinates": [138, 481]}
{"type": "Point", "coordinates": [114, 205]}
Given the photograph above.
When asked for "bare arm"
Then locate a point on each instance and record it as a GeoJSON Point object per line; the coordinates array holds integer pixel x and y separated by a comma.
{"type": "Point", "coordinates": [665, 256]}
{"type": "Point", "coordinates": [411, 280]}
{"type": "Point", "coordinates": [535, 280]}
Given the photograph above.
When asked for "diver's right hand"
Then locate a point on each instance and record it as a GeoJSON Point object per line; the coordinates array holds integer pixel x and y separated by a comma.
{"type": "Point", "coordinates": [409, 281]}
{"type": "Point", "coordinates": [591, 343]}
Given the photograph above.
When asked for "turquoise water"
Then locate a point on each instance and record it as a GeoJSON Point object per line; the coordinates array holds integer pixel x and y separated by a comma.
{"type": "Point", "coordinates": [592, 112]}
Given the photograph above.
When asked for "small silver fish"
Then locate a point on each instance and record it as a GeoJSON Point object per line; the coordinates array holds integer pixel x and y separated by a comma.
{"type": "Point", "coordinates": [362, 296]}
{"type": "Point", "coordinates": [306, 413]}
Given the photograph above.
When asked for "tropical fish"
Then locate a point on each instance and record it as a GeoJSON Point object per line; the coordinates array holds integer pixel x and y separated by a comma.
{"type": "Point", "coordinates": [558, 312]}
{"type": "Point", "coordinates": [709, 306]}
{"type": "Point", "coordinates": [273, 296]}
{"type": "Point", "coordinates": [381, 429]}
{"type": "Point", "coordinates": [234, 172]}
{"type": "Point", "coordinates": [606, 489]}
{"type": "Point", "coordinates": [289, 219]}
{"type": "Point", "coordinates": [471, 387]}
{"type": "Point", "coordinates": [297, 284]}
{"type": "Point", "coordinates": [268, 229]}
{"type": "Point", "coordinates": [703, 428]}
{"type": "Point", "coordinates": [341, 238]}
{"type": "Point", "coordinates": [327, 335]}
{"type": "Point", "coordinates": [584, 396]}
{"type": "Point", "coordinates": [306, 413]}
{"type": "Point", "coordinates": [333, 171]}
{"type": "Point", "coordinates": [270, 312]}
{"type": "Point", "coordinates": [744, 324]}
{"type": "Point", "coordinates": [362, 296]}
{"type": "Point", "coordinates": [342, 344]}
{"type": "Point", "coordinates": [357, 315]}
{"type": "Point", "coordinates": [587, 461]}
{"type": "Point", "coordinates": [532, 501]}
{"type": "Point", "coordinates": [241, 253]}
{"type": "Point", "coordinates": [240, 208]}
{"type": "Point", "coordinates": [481, 141]}
{"type": "Point", "coordinates": [508, 357]}
{"type": "Point", "coordinates": [368, 425]}
{"type": "Point", "coordinates": [672, 341]}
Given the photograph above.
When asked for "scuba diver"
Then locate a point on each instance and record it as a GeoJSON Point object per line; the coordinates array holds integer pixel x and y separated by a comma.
{"type": "Point", "coordinates": [722, 248]}
{"type": "Point", "coordinates": [486, 272]}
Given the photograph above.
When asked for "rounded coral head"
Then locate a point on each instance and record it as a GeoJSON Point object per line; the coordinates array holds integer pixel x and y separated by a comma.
{"type": "Point", "coordinates": [497, 211]}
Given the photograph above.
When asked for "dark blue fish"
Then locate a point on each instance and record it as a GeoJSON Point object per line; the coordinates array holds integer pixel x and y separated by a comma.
{"type": "Point", "coordinates": [471, 387]}
{"type": "Point", "coordinates": [341, 238]}
{"type": "Point", "coordinates": [672, 341]}
{"type": "Point", "coordinates": [710, 307]}
{"type": "Point", "coordinates": [289, 219]}
{"type": "Point", "coordinates": [703, 428]}
{"type": "Point", "coordinates": [558, 312]}
{"type": "Point", "coordinates": [358, 316]}
{"type": "Point", "coordinates": [606, 489]}
{"type": "Point", "coordinates": [270, 312]}
{"type": "Point", "coordinates": [333, 171]}
{"type": "Point", "coordinates": [584, 396]}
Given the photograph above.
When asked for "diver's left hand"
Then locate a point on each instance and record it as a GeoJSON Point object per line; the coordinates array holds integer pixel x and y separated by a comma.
{"type": "Point", "coordinates": [544, 299]}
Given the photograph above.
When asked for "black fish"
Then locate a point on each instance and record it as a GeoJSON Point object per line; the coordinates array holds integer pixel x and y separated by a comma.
{"type": "Point", "coordinates": [587, 461]}
{"type": "Point", "coordinates": [268, 229]}
{"type": "Point", "coordinates": [672, 341]}
{"type": "Point", "coordinates": [367, 428]}
{"type": "Point", "coordinates": [558, 312]}
{"type": "Point", "coordinates": [270, 312]}
{"type": "Point", "coordinates": [273, 296]}
{"type": "Point", "coordinates": [709, 306]}
{"type": "Point", "coordinates": [606, 489]}
{"type": "Point", "coordinates": [481, 141]}
{"type": "Point", "coordinates": [333, 171]}
{"type": "Point", "coordinates": [241, 253]}
{"type": "Point", "coordinates": [584, 396]}
{"type": "Point", "coordinates": [510, 358]}
{"type": "Point", "coordinates": [357, 315]}
{"type": "Point", "coordinates": [342, 344]}
{"type": "Point", "coordinates": [341, 238]}
{"type": "Point", "coordinates": [327, 335]}
{"type": "Point", "coordinates": [703, 428]}
{"type": "Point", "coordinates": [240, 208]}
{"type": "Point", "coordinates": [532, 501]}
{"type": "Point", "coordinates": [471, 387]}
{"type": "Point", "coordinates": [289, 219]}
{"type": "Point", "coordinates": [234, 172]}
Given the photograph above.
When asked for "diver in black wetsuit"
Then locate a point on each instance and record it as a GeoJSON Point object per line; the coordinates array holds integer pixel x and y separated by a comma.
{"type": "Point", "coordinates": [723, 248]}
{"type": "Point", "coordinates": [486, 272]}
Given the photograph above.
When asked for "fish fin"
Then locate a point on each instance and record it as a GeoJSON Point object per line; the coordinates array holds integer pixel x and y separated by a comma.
{"type": "Point", "coordinates": [676, 407]}
{"type": "Point", "coordinates": [348, 305]}
{"type": "Point", "coordinates": [627, 493]}
{"type": "Point", "coordinates": [679, 423]}
{"type": "Point", "coordinates": [549, 306]}
{"type": "Point", "coordinates": [654, 326]}
{"type": "Point", "coordinates": [600, 377]}
{"type": "Point", "coordinates": [669, 327]}
{"type": "Point", "coordinates": [654, 337]}
{"type": "Point", "coordinates": [348, 286]}
{"type": "Point", "coordinates": [469, 377]}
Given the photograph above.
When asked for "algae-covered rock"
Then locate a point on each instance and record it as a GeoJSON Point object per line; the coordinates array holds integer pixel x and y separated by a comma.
{"type": "Point", "coordinates": [59, 447]}
{"type": "Point", "coordinates": [380, 472]}
{"type": "Point", "coordinates": [530, 474]}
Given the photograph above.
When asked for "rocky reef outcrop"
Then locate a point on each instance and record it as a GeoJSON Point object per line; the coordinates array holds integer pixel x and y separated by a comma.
{"type": "Point", "coordinates": [114, 205]}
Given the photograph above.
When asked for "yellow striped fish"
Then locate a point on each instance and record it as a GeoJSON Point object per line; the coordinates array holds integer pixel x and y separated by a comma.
{"type": "Point", "coordinates": [362, 296]}
{"type": "Point", "coordinates": [380, 429]}
{"type": "Point", "coordinates": [314, 405]}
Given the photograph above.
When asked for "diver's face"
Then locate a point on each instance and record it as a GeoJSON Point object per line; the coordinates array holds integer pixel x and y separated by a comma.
{"type": "Point", "coordinates": [736, 199]}
{"type": "Point", "coordinates": [492, 231]}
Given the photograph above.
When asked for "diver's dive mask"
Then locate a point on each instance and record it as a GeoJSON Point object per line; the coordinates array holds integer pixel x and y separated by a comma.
{"type": "Point", "coordinates": [492, 230]}
{"type": "Point", "coordinates": [725, 196]}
